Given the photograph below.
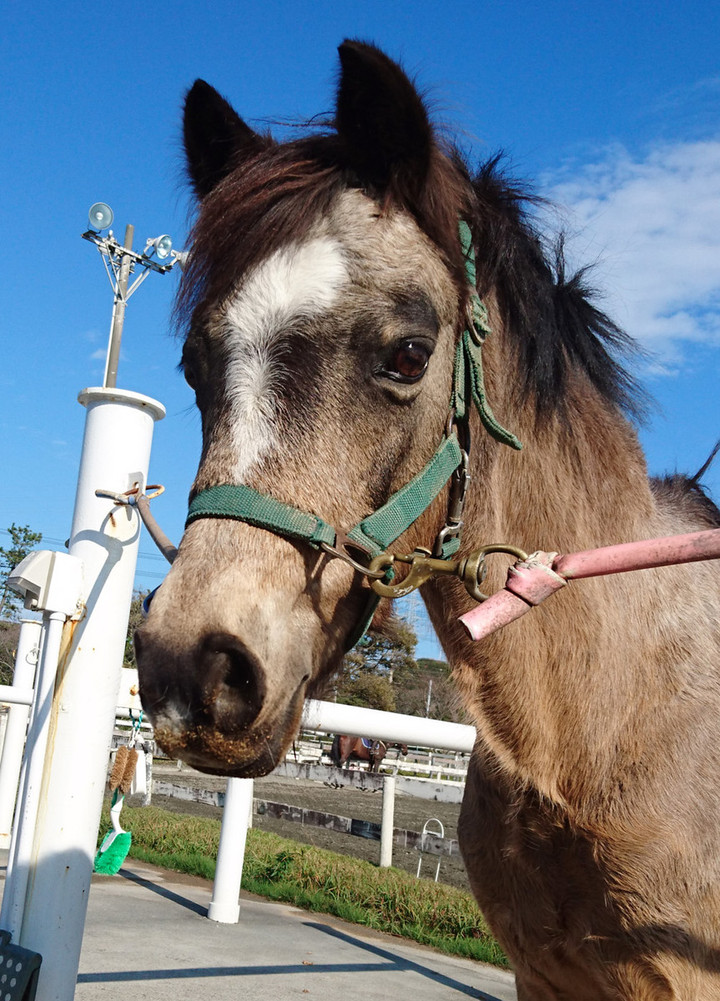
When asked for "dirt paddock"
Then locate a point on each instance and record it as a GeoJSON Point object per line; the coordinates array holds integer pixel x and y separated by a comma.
{"type": "Point", "coordinates": [410, 814]}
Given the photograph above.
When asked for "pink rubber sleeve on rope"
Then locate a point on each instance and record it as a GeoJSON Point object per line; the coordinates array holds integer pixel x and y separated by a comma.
{"type": "Point", "coordinates": [528, 584]}
{"type": "Point", "coordinates": [531, 582]}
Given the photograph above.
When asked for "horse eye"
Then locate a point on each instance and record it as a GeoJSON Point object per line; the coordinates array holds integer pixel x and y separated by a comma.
{"type": "Point", "coordinates": [408, 363]}
{"type": "Point", "coordinates": [187, 369]}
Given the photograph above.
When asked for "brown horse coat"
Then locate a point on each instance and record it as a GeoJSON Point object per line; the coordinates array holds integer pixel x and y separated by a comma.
{"type": "Point", "coordinates": [324, 297]}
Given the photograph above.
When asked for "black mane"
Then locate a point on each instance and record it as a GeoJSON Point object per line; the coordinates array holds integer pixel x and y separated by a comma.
{"type": "Point", "coordinates": [552, 315]}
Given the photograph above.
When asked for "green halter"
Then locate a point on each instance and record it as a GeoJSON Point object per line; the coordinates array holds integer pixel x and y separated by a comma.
{"type": "Point", "coordinates": [380, 529]}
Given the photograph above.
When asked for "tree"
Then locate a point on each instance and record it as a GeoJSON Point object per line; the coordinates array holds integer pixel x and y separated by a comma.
{"type": "Point", "coordinates": [136, 619]}
{"type": "Point", "coordinates": [23, 539]}
{"type": "Point", "coordinates": [9, 634]}
{"type": "Point", "coordinates": [369, 690]}
{"type": "Point", "coordinates": [381, 672]}
{"type": "Point", "coordinates": [429, 691]}
{"type": "Point", "coordinates": [368, 672]}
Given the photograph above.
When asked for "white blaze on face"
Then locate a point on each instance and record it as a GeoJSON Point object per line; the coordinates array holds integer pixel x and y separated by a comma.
{"type": "Point", "coordinates": [297, 281]}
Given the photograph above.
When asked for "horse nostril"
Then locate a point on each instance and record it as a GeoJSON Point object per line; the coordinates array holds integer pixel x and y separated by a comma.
{"type": "Point", "coordinates": [234, 682]}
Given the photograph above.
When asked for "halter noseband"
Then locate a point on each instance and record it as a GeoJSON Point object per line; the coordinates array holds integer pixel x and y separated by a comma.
{"type": "Point", "coordinates": [371, 536]}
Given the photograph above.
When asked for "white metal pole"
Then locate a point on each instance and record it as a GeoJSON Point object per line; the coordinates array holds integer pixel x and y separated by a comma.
{"type": "Point", "coordinates": [334, 717]}
{"type": "Point", "coordinates": [26, 659]}
{"type": "Point", "coordinates": [118, 314]}
{"type": "Point", "coordinates": [224, 906]}
{"type": "Point", "coordinates": [105, 536]}
{"type": "Point", "coordinates": [388, 821]}
{"type": "Point", "coordinates": [16, 696]}
{"type": "Point", "coordinates": [19, 859]}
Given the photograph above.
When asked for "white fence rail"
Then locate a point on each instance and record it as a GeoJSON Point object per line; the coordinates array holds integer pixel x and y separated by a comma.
{"type": "Point", "coordinates": [333, 717]}
{"type": "Point", "coordinates": [325, 717]}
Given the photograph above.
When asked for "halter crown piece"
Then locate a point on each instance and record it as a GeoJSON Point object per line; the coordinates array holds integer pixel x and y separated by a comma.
{"type": "Point", "coordinates": [371, 536]}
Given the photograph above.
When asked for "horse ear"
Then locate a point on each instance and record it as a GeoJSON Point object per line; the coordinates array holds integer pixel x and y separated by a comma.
{"type": "Point", "coordinates": [215, 137]}
{"type": "Point", "coordinates": [382, 120]}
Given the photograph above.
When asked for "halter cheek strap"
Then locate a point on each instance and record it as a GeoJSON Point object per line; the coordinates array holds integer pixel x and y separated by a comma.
{"type": "Point", "coordinates": [468, 378]}
{"type": "Point", "coordinates": [380, 529]}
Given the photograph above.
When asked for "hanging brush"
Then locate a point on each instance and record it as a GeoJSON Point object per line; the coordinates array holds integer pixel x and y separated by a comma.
{"type": "Point", "coordinates": [116, 844]}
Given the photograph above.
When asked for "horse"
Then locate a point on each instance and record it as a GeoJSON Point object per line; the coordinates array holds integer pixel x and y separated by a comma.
{"type": "Point", "coordinates": [371, 330]}
{"type": "Point", "coordinates": [345, 748]}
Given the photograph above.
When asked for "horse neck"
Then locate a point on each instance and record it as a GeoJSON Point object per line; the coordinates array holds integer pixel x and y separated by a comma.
{"type": "Point", "coordinates": [579, 482]}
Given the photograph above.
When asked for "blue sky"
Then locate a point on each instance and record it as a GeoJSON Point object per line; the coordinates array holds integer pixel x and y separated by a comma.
{"type": "Point", "coordinates": [611, 109]}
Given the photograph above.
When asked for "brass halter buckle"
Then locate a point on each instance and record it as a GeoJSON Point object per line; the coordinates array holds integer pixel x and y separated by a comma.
{"type": "Point", "coordinates": [423, 567]}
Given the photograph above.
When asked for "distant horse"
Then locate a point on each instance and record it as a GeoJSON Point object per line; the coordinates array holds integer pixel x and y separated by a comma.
{"type": "Point", "coordinates": [352, 300]}
{"type": "Point", "coordinates": [345, 748]}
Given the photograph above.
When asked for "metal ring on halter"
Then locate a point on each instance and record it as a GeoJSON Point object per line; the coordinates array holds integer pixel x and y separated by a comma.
{"type": "Point", "coordinates": [472, 569]}
{"type": "Point", "coordinates": [345, 556]}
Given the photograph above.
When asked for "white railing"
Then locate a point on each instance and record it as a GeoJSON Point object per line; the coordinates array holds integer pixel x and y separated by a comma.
{"type": "Point", "coordinates": [26, 660]}
{"type": "Point", "coordinates": [418, 731]}
{"type": "Point", "coordinates": [325, 717]}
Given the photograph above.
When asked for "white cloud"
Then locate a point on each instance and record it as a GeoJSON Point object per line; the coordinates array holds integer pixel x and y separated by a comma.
{"type": "Point", "coordinates": [652, 225]}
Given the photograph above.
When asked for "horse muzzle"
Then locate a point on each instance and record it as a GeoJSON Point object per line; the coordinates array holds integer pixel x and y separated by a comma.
{"type": "Point", "coordinates": [210, 706]}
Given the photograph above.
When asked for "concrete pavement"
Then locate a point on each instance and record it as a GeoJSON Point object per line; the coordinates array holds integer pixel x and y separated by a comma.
{"type": "Point", "coordinates": [147, 937]}
{"type": "Point", "coordinates": [147, 933]}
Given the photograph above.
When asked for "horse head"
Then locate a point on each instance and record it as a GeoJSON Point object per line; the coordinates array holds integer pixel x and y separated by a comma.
{"type": "Point", "coordinates": [323, 297]}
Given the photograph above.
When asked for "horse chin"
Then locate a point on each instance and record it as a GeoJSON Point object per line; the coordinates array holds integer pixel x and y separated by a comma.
{"type": "Point", "coordinates": [248, 753]}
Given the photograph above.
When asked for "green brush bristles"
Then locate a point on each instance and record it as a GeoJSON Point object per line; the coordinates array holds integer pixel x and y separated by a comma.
{"type": "Point", "coordinates": [113, 852]}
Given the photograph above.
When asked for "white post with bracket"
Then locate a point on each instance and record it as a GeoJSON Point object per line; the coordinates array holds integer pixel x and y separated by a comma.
{"type": "Point", "coordinates": [105, 537]}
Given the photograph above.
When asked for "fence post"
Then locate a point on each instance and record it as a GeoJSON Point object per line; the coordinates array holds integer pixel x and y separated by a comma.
{"type": "Point", "coordinates": [224, 906]}
{"type": "Point", "coordinates": [30, 798]}
{"type": "Point", "coordinates": [26, 660]}
{"type": "Point", "coordinates": [388, 821]}
{"type": "Point", "coordinates": [148, 747]}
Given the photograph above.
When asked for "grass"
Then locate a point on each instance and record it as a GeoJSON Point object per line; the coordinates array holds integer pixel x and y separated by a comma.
{"type": "Point", "coordinates": [387, 900]}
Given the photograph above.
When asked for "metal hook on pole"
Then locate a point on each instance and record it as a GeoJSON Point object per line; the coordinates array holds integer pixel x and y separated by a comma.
{"type": "Point", "coordinates": [140, 499]}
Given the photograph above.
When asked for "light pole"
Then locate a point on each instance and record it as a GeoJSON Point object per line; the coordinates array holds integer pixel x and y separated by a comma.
{"type": "Point", "coordinates": [121, 262]}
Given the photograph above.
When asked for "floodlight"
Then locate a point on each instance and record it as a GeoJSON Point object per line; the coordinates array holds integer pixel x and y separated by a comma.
{"type": "Point", "coordinates": [100, 216]}
{"type": "Point", "coordinates": [160, 247]}
{"type": "Point", "coordinates": [126, 270]}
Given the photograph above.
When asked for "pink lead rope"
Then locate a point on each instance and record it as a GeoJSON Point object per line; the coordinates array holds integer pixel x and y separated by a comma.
{"type": "Point", "coordinates": [531, 581]}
